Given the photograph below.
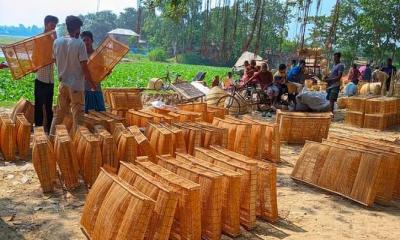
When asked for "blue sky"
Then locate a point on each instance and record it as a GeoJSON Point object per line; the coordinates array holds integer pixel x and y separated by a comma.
{"type": "Point", "coordinates": [29, 12]}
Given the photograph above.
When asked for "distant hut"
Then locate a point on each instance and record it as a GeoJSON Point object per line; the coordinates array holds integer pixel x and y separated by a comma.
{"type": "Point", "coordinates": [123, 35]}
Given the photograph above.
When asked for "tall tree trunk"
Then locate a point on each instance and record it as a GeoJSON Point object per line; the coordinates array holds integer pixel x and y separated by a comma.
{"type": "Point", "coordinates": [223, 54]}
{"type": "Point", "coordinates": [139, 19]}
{"type": "Point", "coordinates": [253, 27]}
{"type": "Point", "coordinates": [204, 47]}
{"type": "Point", "coordinates": [259, 27]}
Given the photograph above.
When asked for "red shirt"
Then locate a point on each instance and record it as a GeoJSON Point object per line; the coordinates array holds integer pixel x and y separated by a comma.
{"type": "Point", "coordinates": [264, 78]}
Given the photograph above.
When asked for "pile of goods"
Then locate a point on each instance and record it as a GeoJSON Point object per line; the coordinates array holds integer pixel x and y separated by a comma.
{"type": "Point", "coordinates": [120, 100]}
{"type": "Point", "coordinates": [298, 127]}
{"type": "Point", "coordinates": [105, 119]}
{"type": "Point", "coordinates": [377, 113]}
{"type": "Point", "coordinates": [361, 169]}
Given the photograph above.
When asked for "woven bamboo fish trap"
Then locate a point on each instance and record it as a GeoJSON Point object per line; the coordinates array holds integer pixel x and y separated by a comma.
{"type": "Point", "coordinates": [108, 147]}
{"type": "Point", "coordinates": [354, 118]}
{"type": "Point", "coordinates": [342, 102]}
{"type": "Point", "coordinates": [125, 213]}
{"type": "Point", "coordinates": [79, 143]}
{"type": "Point", "coordinates": [8, 141]}
{"type": "Point", "coordinates": [220, 112]}
{"type": "Point", "coordinates": [381, 105]}
{"type": "Point", "coordinates": [157, 118]}
{"type": "Point", "coordinates": [380, 121]}
{"type": "Point", "coordinates": [91, 160]}
{"type": "Point", "coordinates": [299, 127]}
{"type": "Point", "coordinates": [248, 189]}
{"type": "Point", "coordinates": [192, 136]}
{"type": "Point", "coordinates": [43, 160]}
{"type": "Point", "coordinates": [187, 222]}
{"type": "Point", "coordinates": [94, 200]}
{"type": "Point", "coordinates": [390, 154]}
{"type": "Point", "coordinates": [231, 202]}
{"type": "Point", "coordinates": [25, 107]}
{"type": "Point", "coordinates": [197, 107]}
{"type": "Point", "coordinates": [65, 155]}
{"type": "Point", "coordinates": [357, 178]}
{"type": "Point", "coordinates": [139, 119]}
{"type": "Point", "coordinates": [165, 197]}
{"type": "Point", "coordinates": [29, 55]}
{"type": "Point", "coordinates": [23, 132]}
{"type": "Point", "coordinates": [90, 121]}
{"type": "Point", "coordinates": [272, 143]}
{"type": "Point", "coordinates": [211, 188]}
{"type": "Point", "coordinates": [108, 91]}
{"type": "Point", "coordinates": [267, 206]}
{"type": "Point", "coordinates": [144, 147]}
{"type": "Point", "coordinates": [213, 135]}
{"type": "Point", "coordinates": [126, 147]}
{"type": "Point", "coordinates": [161, 139]}
{"type": "Point", "coordinates": [357, 104]}
{"type": "Point", "coordinates": [178, 139]}
{"type": "Point", "coordinates": [108, 120]}
{"type": "Point", "coordinates": [105, 57]}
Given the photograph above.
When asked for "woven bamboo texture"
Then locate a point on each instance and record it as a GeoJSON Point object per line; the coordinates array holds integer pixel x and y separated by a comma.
{"type": "Point", "coordinates": [381, 105]}
{"type": "Point", "coordinates": [342, 102]}
{"type": "Point", "coordinates": [126, 145]}
{"type": "Point", "coordinates": [271, 139]}
{"type": "Point", "coordinates": [108, 120]}
{"type": "Point", "coordinates": [355, 119]}
{"type": "Point", "coordinates": [91, 158]}
{"type": "Point", "coordinates": [108, 147]}
{"type": "Point", "coordinates": [248, 189]}
{"type": "Point", "coordinates": [231, 202]}
{"type": "Point", "coordinates": [267, 205]}
{"type": "Point", "coordinates": [66, 160]}
{"type": "Point", "coordinates": [178, 139]}
{"type": "Point", "coordinates": [105, 57]}
{"type": "Point", "coordinates": [357, 104]}
{"type": "Point", "coordinates": [299, 127]}
{"type": "Point", "coordinates": [25, 107]}
{"type": "Point", "coordinates": [211, 188]}
{"type": "Point", "coordinates": [137, 118]}
{"type": "Point", "coordinates": [161, 139]}
{"type": "Point", "coordinates": [198, 107]}
{"type": "Point", "coordinates": [187, 223]}
{"type": "Point", "coordinates": [380, 121]}
{"type": "Point", "coordinates": [192, 136]}
{"type": "Point", "coordinates": [29, 55]}
{"type": "Point", "coordinates": [157, 118]}
{"type": "Point", "coordinates": [8, 141]}
{"type": "Point", "coordinates": [43, 160]}
{"type": "Point", "coordinates": [144, 147]}
{"type": "Point", "coordinates": [165, 197]}
{"type": "Point", "coordinates": [220, 112]}
{"type": "Point", "coordinates": [357, 178]}
{"type": "Point", "coordinates": [126, 100]}
{"type": "Point", "coordinates": [211, 135]}
{"type": "Point", "coordinates": [23, 135]}
{"type": "Point", "coordinates": [107, 92]}
{"type": "Point", "coordinates": [125, 213]}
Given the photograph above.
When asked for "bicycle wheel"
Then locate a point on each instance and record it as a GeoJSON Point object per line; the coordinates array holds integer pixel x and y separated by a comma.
{"type": "Point", "coordinates": [231, 103]}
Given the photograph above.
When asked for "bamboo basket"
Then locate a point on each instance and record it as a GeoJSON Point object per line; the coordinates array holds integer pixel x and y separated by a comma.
{"type": "Point", "coordinates": [91, 159]}
{"type": "Point", "coordinates": [178, 139]}
{"type": "Point", "coordinates": [211, 188]}
{"type": "Point", "coordinates": [90, 121]}
{"type": "Point", "coordinates": [379, 121]}
{"type": "Point", "coordinates": [357, 178]}
{"type": "Point", "coordinates": [108, 120]}
{"type": "Point", "coordinates": [25, 107]}
{"type": "Point", "coordinates": [165, 197]}
{"type": "Point", "coordinates": [357, 104]}
{"type": "Point", "coordinates": [267, 206]}
{"type": "Point", "coordinates": [299, 127]}
{"type": "Point", "coordinates": [381, 105]}
{"type": "Point", "coordinates": [192, 136]}
{"type": "Point", "coordinates": [248, 189]}
{"type": "Point", "coordinates": [213, 135]}
{"type": "Point", "coordinates": [8, 141]}
{"type": "Point", "coordinates": [187, 222]}
{"type": "Point", "coordinates": [79, 143]}
{"type": "Point", "coordinates": [143, 145]}
{"type": "Point", "coordinates": [272, 143]}
{"type": "Point", "coordinates": [23, 131]}
{"type": "Point", "coordinates": [29, 55]}
{"type": "Point", "coordinates": [157, 118]}
{"type": "Point", "coordinates": [342, 102]}
{"type": "Point", "coordinates": [68, 122]}
{"type": "Point", "coordinates": [355, 119]}
{"type": "Point", "coordinates": [220, 112]}
{"type": "Point", "coordinates": [124, 214]}
{"type": "Point", "coordinates": [108, 91]}
{"type": "Point", "coordinates": [241, 139]}
{"type": "Point", "coordinates": [198, 107]}
{"type": "Point", "coordinates": [94, 200]}
{"type": "Point", "coordinates": [231, 202]}
{"type": "Point", "coordinates": [108, 147]}
{"type": "Point", "coordinates": [126, 147]}
{"type": "Point", "coordinates": [161, 139]}
{"type": "Point", "coordinates": [138, 118]}
{"type": "Point", "coordinates": [43, 160]}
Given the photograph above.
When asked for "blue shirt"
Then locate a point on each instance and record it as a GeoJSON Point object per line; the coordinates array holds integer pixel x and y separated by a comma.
{"type": "Point", "coordinates": [295, 75]}
{"type": "Point", "coordinates": [337, 70]}
{"type": "Point", "coordinates": [350, 89]}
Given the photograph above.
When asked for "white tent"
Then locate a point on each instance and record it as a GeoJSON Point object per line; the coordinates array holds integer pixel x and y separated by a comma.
{"type": "Point", "coordinates": [122, 31]}
{"type": "Point", "coordinates": [247, 56]}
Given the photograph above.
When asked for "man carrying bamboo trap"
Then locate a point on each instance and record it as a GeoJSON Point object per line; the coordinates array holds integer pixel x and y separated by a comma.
{"type": "Point", "coordinates": [71, 60]}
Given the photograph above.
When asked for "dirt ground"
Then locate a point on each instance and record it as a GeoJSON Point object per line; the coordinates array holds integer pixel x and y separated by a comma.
{"type": "Point", "coordinates": [305, 212]}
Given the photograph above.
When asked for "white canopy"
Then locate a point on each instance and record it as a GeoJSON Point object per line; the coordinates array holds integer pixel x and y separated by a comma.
{"type": "Point", "coordinates": [247, 56]}
{"type": "Point", "coordinates": [122, 31]}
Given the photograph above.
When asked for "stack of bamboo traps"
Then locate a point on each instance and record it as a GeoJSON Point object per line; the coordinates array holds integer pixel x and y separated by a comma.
{"type": "Point", "coordinates": [140, 119]}
{"type": "Point", "coordinates": [270, 137]}
{"type": "Point", "coordinates": [126, 144]}
{"type": "Point", "coordinates": [157, 117]}
{"type": "Point", "coordinates": [8, 142]}
{"type": "Point", "coordinates": [361, 169]}
{"type": "Point", "coordinates": [166, 139]}
{"type": "Point", "coordinates": [89, 154]}
{"type": "Point", "coordinates": [121, 101]}
{"type": "Point", "coordinates": [43, 160]}
{"type": "Point", "coordinates": [211, 188]}
{"type": "Point", "coordinates": [179, 115]}
{"type": "Point", "coordinates": [381, 113]}
{"type": "Point", "coordinates": [106, 119]}
{"type": "Point", "coordinates": [208, 112]}
{"type": "Point", "coordinates": [116, 210]}
{"type": "Point", "coordinates": [65, 155]}
{"type": "Point", "coordinates": [23, 135]}
{"type": "Point", "coordinates": [297, 127]}
{"type": "Point", "coordinates": [356, 110]}
{"type": "Point", "coordinates": [108, 147]}
{"type": "Point", "coordinates": [238, 134]}
{"type": "Point", "coordinates": [144, 147]}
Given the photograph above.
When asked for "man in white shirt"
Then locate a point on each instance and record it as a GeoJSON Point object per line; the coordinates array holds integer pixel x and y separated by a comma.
{"type": "Point", "coordinates": [71, 60]}
{"type": "Point", "coordinates": [44, 84]}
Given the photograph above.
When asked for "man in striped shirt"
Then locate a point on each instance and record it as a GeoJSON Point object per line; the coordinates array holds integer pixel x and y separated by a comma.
{"type": "Point", "coordinates": [44, 84]}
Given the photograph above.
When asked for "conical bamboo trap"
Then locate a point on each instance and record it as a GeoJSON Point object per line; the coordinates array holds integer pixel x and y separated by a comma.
{"type": "Point", "coordinates": [65, 155]}
{"type": "Point", "coordinates": [91, 158]}
{"type": "Point", "coordinates": [161, 139]}
{"type": "Point", "coordinates": [357, 178]}
{"type": "Point", "coordinates": [165, 197]}
{"type": "Point", "coordinates": [199, 107]}
{"type": "Point", "coordinates": [296, 127]}
{"type": "Point", "coordinates": [272, 143]}
{"type": "Point", "coordinates": [108, 120]}
{"type": "Point", "coordinates": [211, 135]}
{"type": "Point", "coordinates": [94, 200]}
{"type": "Point", "coordinates": [108, 147]}
{"type": "Point", "coordinates": [25, 107]}
{"type": "Point", "coordinates": [267, 205]}
{"type": "Point", "coordinates": [157, 118]}
{"type": "Point", "coordinates": [187, 223]}
{"type": "Point", "coordinates": [248, 189]}
{"type": "Point", "coordinates": [178, 139]}
{"type": "Point", "coordinates": [43, 160]}
{"type": "Point", "coordinates": [23, 132]}
{"type": "Point", "coordinates": [126, 146]}
{"type": "Point", "coordinates": [231, 202]}
{"type": "Point", "coordinates": [90, 121]}
{"type": "Point", "coordinates": [108, 91]}
{"type": "Point", "coordinates": [192, 136]}
{"type": "Point", "coordinates": [8, 141]}
{"type": "Point", "coordinates": [211, 187]}
{"type": "Point", "coordinates": [144, 147]}
{"type": "Point", "coordinates": [125, 213]}
{"type": "Point", "coordinates": [137, 118]}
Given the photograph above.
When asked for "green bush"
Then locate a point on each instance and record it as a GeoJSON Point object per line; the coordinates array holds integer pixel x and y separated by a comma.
{"type": "Point", "coordinates": [191, 58]}
{"type": "Point", "coordinates": [158, 54]}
